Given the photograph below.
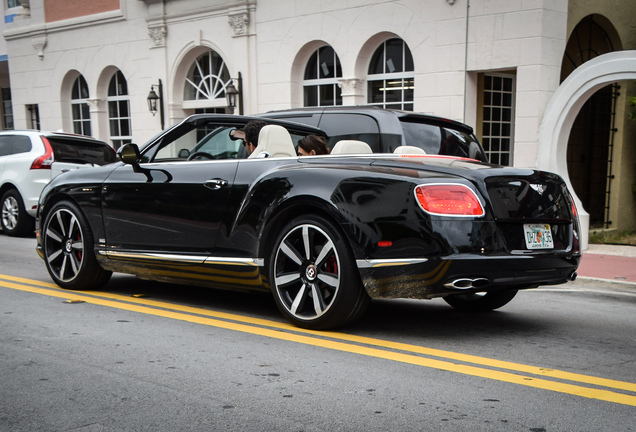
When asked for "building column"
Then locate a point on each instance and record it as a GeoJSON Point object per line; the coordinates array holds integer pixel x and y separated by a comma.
{"type": "Point", "coordinates": [352, 91]}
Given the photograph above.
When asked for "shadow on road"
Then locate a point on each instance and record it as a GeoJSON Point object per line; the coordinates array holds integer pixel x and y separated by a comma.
{"type": "Point", "coordinates": [384, 318]}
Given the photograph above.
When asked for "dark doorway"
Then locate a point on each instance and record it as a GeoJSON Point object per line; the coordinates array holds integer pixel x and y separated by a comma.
{"type": "Point", "coordinates": [589, 154]}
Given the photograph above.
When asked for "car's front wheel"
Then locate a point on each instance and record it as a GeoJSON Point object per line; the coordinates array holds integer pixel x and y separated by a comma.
{"type": "Point", "coordinates": [480, 302]}
{"type": "Point", "coordinates": [67, 243]}
{"type": "Point", "coordinates": [313, 275]}
{"type": "Point", "coordinates": [16, 222]}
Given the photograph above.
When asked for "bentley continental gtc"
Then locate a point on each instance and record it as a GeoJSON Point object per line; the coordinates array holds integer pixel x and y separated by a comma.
{"type": "Point", "coordinates": [325, 234]}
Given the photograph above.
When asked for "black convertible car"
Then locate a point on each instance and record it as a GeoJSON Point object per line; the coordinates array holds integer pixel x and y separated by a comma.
{"type": "Point", "coordinates": [323, 233]}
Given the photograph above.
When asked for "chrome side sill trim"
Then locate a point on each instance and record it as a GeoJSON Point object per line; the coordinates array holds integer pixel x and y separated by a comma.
{"type": "Point", "coordinates": [190, 259]}
{"type": "Point", "coordinates": [154, 256]}
{"type": "Point", "coordinates": [259, 262]}
{"type": "Point", "coordinates": [372, 263]}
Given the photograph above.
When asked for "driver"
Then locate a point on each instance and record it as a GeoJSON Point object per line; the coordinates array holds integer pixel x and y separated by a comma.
{"type": "Point", "coordinates": [252, 129]}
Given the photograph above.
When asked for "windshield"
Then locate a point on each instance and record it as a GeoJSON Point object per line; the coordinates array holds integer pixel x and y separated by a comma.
{"type": "Point", "coordinates": [442, 140]}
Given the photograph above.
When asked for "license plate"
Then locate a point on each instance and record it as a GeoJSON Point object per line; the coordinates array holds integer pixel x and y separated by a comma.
{"type": "Point", "coordinates": [538, 236]}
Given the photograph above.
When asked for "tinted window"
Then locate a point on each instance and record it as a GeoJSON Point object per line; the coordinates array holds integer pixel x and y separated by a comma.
{"type": "Point", "coordinates": [310, 119]}
{"type": "Point", "coordinates": [5, 146]}
{"type": "Point", "coordinates": [81, 152]}
{"type": "Point", "coordinates": [14, 144]}
{"type": "Point", "coordinates": [360, 127]}
{"type": "Point", "coordinates": [443, 141]}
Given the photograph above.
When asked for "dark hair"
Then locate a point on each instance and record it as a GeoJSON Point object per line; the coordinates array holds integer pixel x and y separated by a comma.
{"type": "Point", "coordinates": [252, 129]}
{"type": "Point", "coordinates": [314, 142]}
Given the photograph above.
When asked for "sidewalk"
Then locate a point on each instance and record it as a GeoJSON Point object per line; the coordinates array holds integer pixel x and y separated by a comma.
{"type": "Point", "coordinates": [610, 263]}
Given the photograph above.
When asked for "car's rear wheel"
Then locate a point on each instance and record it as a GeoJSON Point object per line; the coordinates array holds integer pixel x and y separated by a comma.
{"type": "Point", "coordinates": [67, 243]}
{"type": "Point", "coordinates": [16, 222]}
{"type": "Point", "coordinates": [480, 302]}
{"type": "Point", "coordinates": [313, 275]}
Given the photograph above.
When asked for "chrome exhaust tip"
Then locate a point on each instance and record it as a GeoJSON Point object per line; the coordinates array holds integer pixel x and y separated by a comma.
{"type": "Point", "coordinates": [573, 276]}
{"type": "Point", "coordinates": [467, 283]}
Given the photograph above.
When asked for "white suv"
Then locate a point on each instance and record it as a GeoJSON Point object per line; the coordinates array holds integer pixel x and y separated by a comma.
{"type": "Point", "coordinates": [31, 159]}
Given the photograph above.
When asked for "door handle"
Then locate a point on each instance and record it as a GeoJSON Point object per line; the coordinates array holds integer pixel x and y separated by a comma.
{"type": "Point", "coordinates": [215, 184]}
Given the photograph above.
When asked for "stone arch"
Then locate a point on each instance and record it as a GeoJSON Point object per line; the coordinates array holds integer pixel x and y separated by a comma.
{"type": "Point", "coordinates": [299, 66]}
{"type": "Point", "coordinates": [104, 79]}
{"type": "Point", "coordinates": [564, 106]}
{"type": "Point", "coordinates": [367, 50]}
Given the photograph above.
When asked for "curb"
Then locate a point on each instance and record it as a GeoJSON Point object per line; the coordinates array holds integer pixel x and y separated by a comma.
{"type": "Point", "coordinates": [614, 281]}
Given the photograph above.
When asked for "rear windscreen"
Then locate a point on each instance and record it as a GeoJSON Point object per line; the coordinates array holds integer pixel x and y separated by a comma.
{"type": "Point", "coordinates": [81, 152]}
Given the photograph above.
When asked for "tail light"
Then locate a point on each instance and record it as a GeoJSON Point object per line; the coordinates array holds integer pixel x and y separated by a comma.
{"type": "Point", "coordinates": [449, 200]}
{"type": "Point", "coordinates": [44, 161]}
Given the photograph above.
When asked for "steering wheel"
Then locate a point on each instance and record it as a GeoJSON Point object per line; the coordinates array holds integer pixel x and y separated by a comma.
{"type": "Point", "coordinates": [200, 154]}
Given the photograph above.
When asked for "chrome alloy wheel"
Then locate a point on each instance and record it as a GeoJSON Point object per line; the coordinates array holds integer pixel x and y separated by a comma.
{"type": "Point", "coordinates": [307, 272]}
{"type": "Point", "coordinates": [64, 245]}
{"type": "Point", "coordinates": [10, 213]}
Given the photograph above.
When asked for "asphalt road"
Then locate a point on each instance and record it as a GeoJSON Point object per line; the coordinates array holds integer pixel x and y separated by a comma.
{"type": "Point", "coordinates": [142, 356]}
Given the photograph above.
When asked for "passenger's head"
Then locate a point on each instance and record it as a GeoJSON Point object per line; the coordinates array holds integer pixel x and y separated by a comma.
{"type": "Point", "coordinates": [252, 129]}
{"type": "Point", "coordinates": [312, 145]}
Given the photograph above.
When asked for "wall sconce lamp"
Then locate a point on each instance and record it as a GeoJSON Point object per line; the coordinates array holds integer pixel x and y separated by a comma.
{"type": "Point", "coordinates": [155, 101]}
{"type": "Point", "coordinates": [234, 96]}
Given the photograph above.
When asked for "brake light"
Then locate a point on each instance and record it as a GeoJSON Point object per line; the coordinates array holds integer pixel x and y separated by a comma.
{"type": "Point", "coordinates": [574, 212]}
{"type": "Point", "coordinates": [44, 161]}
{"type": "Point", "coordinates": [449, 200]}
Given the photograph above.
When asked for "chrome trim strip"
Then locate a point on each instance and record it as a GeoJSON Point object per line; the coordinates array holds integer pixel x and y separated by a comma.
{"type": "Point", "coordinates": [373, 263]}
{"type": "Point", "coordinates": [154, 256]}
{"type": "Point", "coordinates": [235, 261]}
{"type": "Point", "coordinates": [191, 259]}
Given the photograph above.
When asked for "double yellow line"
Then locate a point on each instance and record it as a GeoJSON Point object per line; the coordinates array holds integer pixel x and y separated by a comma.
{"type": "Point", "coordinates": [516, 373]}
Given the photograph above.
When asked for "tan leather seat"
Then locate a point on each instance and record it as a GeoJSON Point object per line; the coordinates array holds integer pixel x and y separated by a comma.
{"type": "Point", "coordinates": [412, 150]}
{"type": "Point", "coordinates": [351, 147]}
{"type": "Point", "coordinates": [274, 142]}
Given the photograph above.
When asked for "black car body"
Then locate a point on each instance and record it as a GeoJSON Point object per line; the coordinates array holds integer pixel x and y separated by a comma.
{"type": "Point", "coordinates": [387, 129]}
{"type": "Point", "coordinates": [323, 233]}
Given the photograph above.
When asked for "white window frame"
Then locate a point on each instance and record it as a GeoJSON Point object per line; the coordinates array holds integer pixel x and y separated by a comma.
{"type": "Point", "coordinates": [319, 82]}
{"type": "Point", "coordinates": [391, 81]}
{"type": "Point", "coordinates": [209, 91]}
{"type": "Point", "coordinates": [493, 128]}
{"type": "Point", "coordinates": [81, 124]}
{"type": "Point", "coordinates": [118, 140]}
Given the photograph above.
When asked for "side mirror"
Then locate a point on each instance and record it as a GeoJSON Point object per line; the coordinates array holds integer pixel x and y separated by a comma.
{"type": "Point", "coordinates": [129, 154]}
{"type": "Point", "coordinates": [184, 153]}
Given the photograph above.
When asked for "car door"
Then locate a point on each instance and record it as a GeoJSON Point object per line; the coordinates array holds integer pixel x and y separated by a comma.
{"type": "Point", "coordinates": [168, 204]}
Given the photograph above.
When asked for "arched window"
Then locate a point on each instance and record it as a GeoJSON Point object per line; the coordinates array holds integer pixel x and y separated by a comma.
{"type": "Point", "coordinates": [79, 107]}
{"type": "Point", "coordinates": [207, 79]}
{"type": "Point", "coordinates": [391, 76]}
{"type": "Point", "coordinates": [588, 40]}
{"type": "Point", "coordinates": [119, 111]}
{"type": "Point", "coordinates": [320, 85]}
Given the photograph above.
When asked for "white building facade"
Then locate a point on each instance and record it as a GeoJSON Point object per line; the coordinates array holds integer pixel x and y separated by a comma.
{"type": "Point", "coordinates": [88, 67]}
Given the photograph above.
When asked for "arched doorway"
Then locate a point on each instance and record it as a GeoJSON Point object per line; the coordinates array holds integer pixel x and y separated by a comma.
{"type": "Point", "coordinates": [590, 145]}
{"type": "Point", "coordinates": [566, 103]}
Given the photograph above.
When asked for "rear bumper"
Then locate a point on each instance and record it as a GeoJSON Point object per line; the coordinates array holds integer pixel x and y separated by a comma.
{"type": "Point", "coordinates": [453, 274]}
